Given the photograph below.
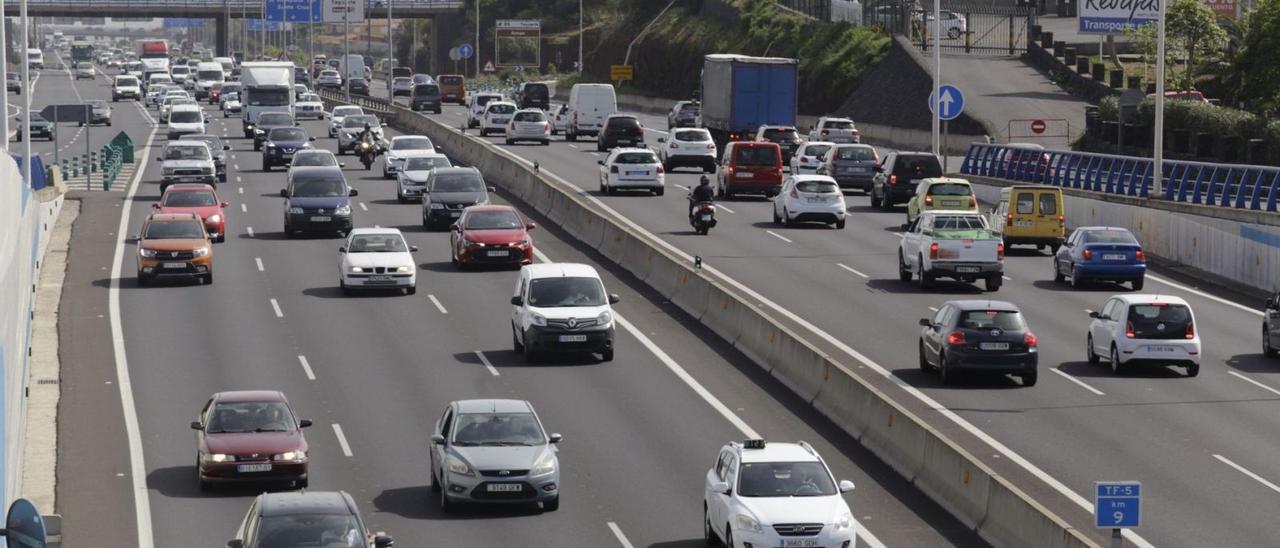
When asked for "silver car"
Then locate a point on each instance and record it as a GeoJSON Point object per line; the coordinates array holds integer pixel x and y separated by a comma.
{"type": "Point", "coordinates": [529, 124]}
{"type": "Point", "coordinates": [493, 451]}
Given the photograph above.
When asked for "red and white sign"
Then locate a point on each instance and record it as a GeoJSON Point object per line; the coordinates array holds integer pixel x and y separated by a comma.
{"type": "Point", "coordinates": [1224, 9]}
{"type": "Point", "coordinates": [1037, 126]}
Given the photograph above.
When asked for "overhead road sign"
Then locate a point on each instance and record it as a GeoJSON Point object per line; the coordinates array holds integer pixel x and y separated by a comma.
{"type": "Point", "coordinates": [294, 11]}
{"type": "Point", "coordinates": [1117, 504]}
{"type": "Point", "coordinates": [621, 72]}
{"type": "Point", "coordinates": [952, 102]}
{"type": "Point", "coordinates": [337, 11]}
{"type": "Point", "coordinates": [517, 42]}
{"type": "Point", "coordinates": [183, 23]}
{"type": "Point", "coordinates": [258, 25]}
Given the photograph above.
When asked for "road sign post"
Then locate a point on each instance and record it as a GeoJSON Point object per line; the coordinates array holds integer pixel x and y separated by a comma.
{"type": "Point", "coordinates": [951, 105]}
{"type": "Point", "coordinates": [1117, 506]}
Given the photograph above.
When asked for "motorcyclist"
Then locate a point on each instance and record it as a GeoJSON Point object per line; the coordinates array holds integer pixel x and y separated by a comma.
{"type": "Point", "coordinates": [367, 136]}
{"type": "Point", "coordinates": [701, 193]}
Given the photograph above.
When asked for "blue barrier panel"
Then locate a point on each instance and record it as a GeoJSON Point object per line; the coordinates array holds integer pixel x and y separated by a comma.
{"type": "Point", "coordinates": [1271, 195]}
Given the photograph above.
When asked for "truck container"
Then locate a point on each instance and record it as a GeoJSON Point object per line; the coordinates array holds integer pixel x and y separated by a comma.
{"type": "Point", "coordinates": [740, 93]}
{"type": "Point", "coordinates": [154, 55]}
{"type": "Point", "coordinates": [266, 86]}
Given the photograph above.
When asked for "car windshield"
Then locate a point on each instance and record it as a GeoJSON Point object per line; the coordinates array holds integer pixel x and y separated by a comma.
{"type": "Point", "coordinates": [402, 81]}
{"type": "Point", "coordinates": [174, 230]}
{"type": "Point", "coordinates": [566, 291]}
{"type": "Point", "coordinates": [328, 74]}
{"type": "Point", "coordinates": [451, 80]}
{"type": "Point", "coordinates": [233, 97]}
{"type": "Point", "coordinates": [426, 90]}
{"type": "Point", "coordinates": [319, 187]}
{"type": "Point", "coordinates": [536, 90]}
{"type": "Point", "coordinates": [186, 152]}
{"type": "Point", "coordinates": [755, 156]}
{"type": "Point", "coordinates": [1159, 320]}
{"type": "Point", "coordinates": [411, 143]}
{"type": "Point", "coordinates": [817, 187]}
{"type": "Point", "coordinates": [126, 82]}
{"type": "Point", "coordinates": [314, 159]}
{"type": "Point", "coordinates": [270, 97]}
{"type": "Point", "coordinates": [310, 530]}
{"type": "Point", "coordinates": [359, 121]}
{"type": "Point", "coordinates": [780, 134]}
{"type": "Point", "coordinates": [421, 79]}
{"type": "Point", "coordinates": [457, 182]}
{"type": "Point", "coordinates": [482, 100]}
{"type": "Point", "coordinates": [858, 154]}
{"type": "Point", "coordinates": [784, 479]}
{"type": "Point", "coordinates": [838, 124]}
{"type": "Point", "coordinates": [1109, 237]}
{"type": "Point", "coordinates": [100, 105]}
{"type": "Point", "coordinates": [636, 158]}
{"type": "Point", "coordinates": [502, 109]}
{"type": "Point", "coordinates": [493, 220]}
{"type": "Point", "coordinates": [209, 75]}
{"type": "Point", "coordinates": [84, 66]}
{"type": "Point", "coordinates": [622, 122]}
{"type": "Point", "coordinates": [816, 150]}
{"type": "Point", "coordinates": [275, 119]}
{"type": "Point", "coordinates": [287, 134]}
{"type": "Point", "coordinates": [950, 189]}
{"type": "Point", "coordinates": [214, 143]}
{"type": "Point", "coordinates": [958, 222]}
{"type": "Point", "coordinates": [347, 111]}
{"type": "Point", "coordinates": [309, 98]}
{"type": "Point", "coordinates": [239, 417]}
{"type": "Point", "coordinates": [181, 70]}
{"type": "Point", "coordinates": [497, 429]}
{"type": "Point", "coordinates": [689, 109]}
{"type": "Point", "coordinates": [184, 116]}
{"type": "Point", "coordinates": [1008, 320]}
{"type": "Point", "coordinates": [190, 198]}
{"type": "Point", "coordinates": [377, 243]}
{"type": "Point", "coordinates": [693, 135]}
{"type": "Point", "coordinates": [530, 117]}
{"type": "Point", "coordinates": [426, 163]}
{"type": "Point", "coordinates": [357, 82]}
{"type": "Point", "coordinates": [917, 167]}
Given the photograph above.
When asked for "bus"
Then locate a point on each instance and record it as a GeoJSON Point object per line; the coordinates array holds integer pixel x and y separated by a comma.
{"type": "Point", "coordinates": [81, 51]}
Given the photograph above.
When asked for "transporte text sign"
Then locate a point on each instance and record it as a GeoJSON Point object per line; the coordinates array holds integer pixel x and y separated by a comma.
{"type": "Point", "coordinates": [1114, 16]}
{"type": "Point", "coordinates": [1117, 504]}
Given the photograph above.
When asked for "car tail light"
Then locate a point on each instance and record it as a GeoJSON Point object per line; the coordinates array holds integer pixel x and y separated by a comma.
{"type": "Point", "coordinates": [674, 145]}
{"type": "Point", "coordinates": [613, 169]}
{"type": "Point", "coordinates": [1087, 255]}
{"type": "Point", "coordinates": [1140, 256]}
{"type": "Point", "coordinates": [973, 201]}
{"type": "Point", "coordinates": [546, 128]}
{"type": "Point", "coordinates": [999, 251]}
{"type": "Point", "coordinates": [928, 199]}
{"type": "Point", "coordinates": [893, 180]}
{"type": "Point", "coordinates": [955, 338]}
{"type": "Point", "coordinates": [777, 171]}
{"type": "Point", "coordinates": [1029, 339]}
{"type": "Point", "coordinates": [660, 169]}
{"type": "Point", "coordinates": [1129, 333]}
{"type": "Point", "coordinates": [1191, 331]}
{"type": "Point", "coordinates": [1009, 218]}
{"type": "Point", "coordinates": [933, 250]}
{"type": "Point", "coordinates": [824, 133]}
{"type": "Point", "coordinates": [1062, 221]}
{"type": "Point", "coordinates": [794, 193]}
{"type": "Point", "coordinates": [711, 146]}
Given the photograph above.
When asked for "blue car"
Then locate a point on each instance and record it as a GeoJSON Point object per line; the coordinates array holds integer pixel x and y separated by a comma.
{"type": "Point", "coordinates": [317, 200]}
{"type": "Point", "coordinates": [1100, 254]}
{"type": "Point", "coordinates": [281, 144]}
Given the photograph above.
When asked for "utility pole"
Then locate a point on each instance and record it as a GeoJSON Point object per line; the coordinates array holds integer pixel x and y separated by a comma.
{"type": "Point", "coordinates": [4, 71]}
{"type": "Point", "coordinates": [581, 63]}
{"type": "Point", "coordinates": [26, 100]}
{"type": "Point", "coordinates": [477, 74]}
{"type": "Point", "coordinates": [1157, 168]}
{"type": "Point", "coordinates": [937, 74]}
{"type": "Point", "coordinates": [346, 48]}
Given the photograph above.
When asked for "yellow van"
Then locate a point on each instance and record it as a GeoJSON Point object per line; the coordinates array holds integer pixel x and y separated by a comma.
{"type": "Point", "coordinates": [947, 193]}
{"type": "Point", "coordinates": [1030, 215]}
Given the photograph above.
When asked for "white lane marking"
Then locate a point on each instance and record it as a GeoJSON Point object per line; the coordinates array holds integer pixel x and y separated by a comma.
{"type": "Point", "coordinates": [933, 308]}
{"type": "Point", "coordinates": [306, 367]}
{"type": "Point", "coordinates": [778, 236]}
{"type": "Point", "coordinates": [1199, 293]}
{"type": "Point", "coordinates": [658, 131]}
{"type": "Point", "coordinates": [721, 206]}
{"type": "Point", "coordinates": [1007, 279]}
{"type": "Point", "coordinates": [597, 154]}
{"type": "Point", "coordinates": [1255, 383]}
{"type": "Point", "coordinates": [363, 207]}
{"type": "Point", "coordinates": [240, 190]}
{"type": "Point", "coordinates": [258, 261]}
{"type": "Point", "coordinates": [239, 180]}
{"type": "Point", "coordinates": [842, 265]}
{"type": "Point", "coordinates": [682, 187]}
{"type": "Point", "coordinates": [342, 440]}
{"type": "Point", "coordinates": [249, 229]}
{"type": "Point", "coordinates": [436, 302]}
{"type": "Point", "coordinates": [237, 168]}
{"type": "Point", "coordinates": [617, 532]}
{"type": "Point", "coordinates": [275, 305]}
{"type": "Point", "coordinates": [244, 208]}
{"type": "Point", "coordinates": [485, 360]}
{"type": "Point", "coordinates": [1246, 472]}
{"type": "Point", "coordinates": [571, 145]}
{"type": "Point", "coordinates": [1077, 381]}
{"type": "Point", "coordinates": [137, 462]}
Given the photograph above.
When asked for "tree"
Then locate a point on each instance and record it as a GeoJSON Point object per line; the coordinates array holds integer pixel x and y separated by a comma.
{"type": "Point", "coordinates": [1191, 33]}
{"type": "Point", "coordinates": [1254, 63]}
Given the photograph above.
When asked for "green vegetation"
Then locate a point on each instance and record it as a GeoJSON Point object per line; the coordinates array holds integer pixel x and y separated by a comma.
{"type": "Point", "coordinates": [1196, 117]}
{"type": "Point", "coordinates": [1191, 33]}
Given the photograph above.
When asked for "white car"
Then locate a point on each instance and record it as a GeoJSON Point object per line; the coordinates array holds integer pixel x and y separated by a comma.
{"type": "Point", "coordinates": [809, 156]}
{"type": "Point", "coordinates": [377, 258]}
{"type": "Point", "coordinates": [309, 105]}
{"type": "Point", "coordinates": [185, 119]}
{"type": "Point", "coordinates": [412, 178]}
{"type": "Point", "coordinates": [352, 126]}
{"type": "Point", "coordinates": [632, 168]}
{"type": "Point", "coordinates": [314, 157]}
{"type": "Point", "coordinates": [688, 147]}
{"type": "Point", "coordinates": [496, 116]}
{"type": "Point", "coordinates": [401, 147]}
{"type": "Point", "coordinates": [84, 70]}
{"type": "Point", "coordinates": [562, 307]}
{"type": "Point", "coordinates": [775, 494]}
{"type": "Point", "coordinates": [169, 102]}
{"type": "Point", "coordinates": [475, 106]}
{"type": "Point", "coordinates": [180, 74]}
{"type": "Point", "coordinates": [835, 130]}
{"type": "Point", "coordinates": [401, 85]}
{"type": "Point", "coordinates": [560, 120]}
{"type": "Point", "coordinates": [1137, 330]}
{"type": "Point", "coordinates": [338, 114]}
{"type": "Point", "coordinates": [529, 124]}
{"type": "Point", "coordinates": [230, 104]}
{"type": "Point", "coordinates": [299, 90]}
{"type": "Point", "coordinates": [125, 87]}
{"type": "Point", "coordinates": [156, 92]}
{"type": "Point", "coordinates": [329, 79]}
{"type": "Point", "coordinates": [809, 199]}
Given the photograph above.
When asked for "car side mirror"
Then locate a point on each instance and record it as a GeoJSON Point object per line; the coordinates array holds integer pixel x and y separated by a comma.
{"type": "Point", "coordinates": [284, 193]}
{"type": "Point", "coordinates": [235, 543]}
{"type": "Point", "coordinates": [662, 139]}
{"type": "Point", "coordinates": [304, 423]}
{"type": "Point", "coordinates": [721, 488]}
{"type": "Point", "coordinates": [926, 322]}
{"type": "Point", "coordinates": [159, 158]}
{"type": "Point", "coordinates": [437, 439]}
{"type": "Point", "coordinates": [600, 162]}
{"type": "Point", "coordinates": [206, 121]}
{"type": "Point", "coordinates": [491, 189]}
{"type": "Point", "coordinates": [555, 438]}
{"type": "Point", "coordinates": [226, 147]}
{"type": "Point", "coordinates": [1095, 315]}
{"type": "Point", "coordinates": [454, 227]}
{"type": "Point", "coordinates": [342, 249]}
{"type": "Point", "coordinates": [297, 123]}
{"type": "Point", "coordinates": [614, 298]}
{"type": "Point", "coordinates": [382, 540]}
{"type": "Point", "coordinates": [530, 226]}
{"type": "Point", "coordinates": [195, 425]}
{"type": "Point", "coordinates": [224, 204]}
{"type": "Point", "coordinates": [846, 486]}
{"type": "Point", "coordinates": [515, 300]}
{"type": "Point", "coordinates": [1271, 302]}
{"type": "Point", "coordinates": [155, 206]}
{"type": "Point", "coordinates": [353, 192]}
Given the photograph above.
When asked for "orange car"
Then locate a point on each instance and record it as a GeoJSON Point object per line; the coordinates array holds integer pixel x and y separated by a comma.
{"type": "Point", "coordinates": [174, 245]}
{"type": "Point", "coordinates": [453, 88]}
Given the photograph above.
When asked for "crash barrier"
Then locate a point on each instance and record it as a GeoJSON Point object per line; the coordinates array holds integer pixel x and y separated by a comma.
{"type": "Point", "coordinates": [103, 165]}
{"type": "Point", "coordinates": [372, 105]}
{"type": "Point", "coordinates": [999, 511]}
{"type": "Point", "coordinates": [1210, 184]}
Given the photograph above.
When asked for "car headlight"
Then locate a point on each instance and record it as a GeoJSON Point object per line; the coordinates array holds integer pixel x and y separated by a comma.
{"type": "Point", "coordinates": [748, 523]}
{"type": "Point", "coordinates": [521, 243]}
{"type": "Point", "coordinates": [357, 269]}
{"type": "Point", "coordinates": [166, 171]}
{"type": "Point", "coordinates": [146, 252]}
{"type": "Point", "coordinates": [295, 210]}
{"type": "Point", "coordinates": [436, 206]}
{"type": "Point", "coordinates": [200, 252]}
{"type": "Point", "coordinates": [457, 466]}
{"type": "Point", "coordinates": [546, 465]}
{"type": "Point", "coordinates": [605, 318]}
{"type": "Point", "coordinates": [290, 456]}
{"type": "Point", "coordinates": [404, 269]}
{"type": "Point", "coordinates": [844, 522]}
{"type": "Point", "coordinates": [215, 218]}
{"type": "Point", "coordinates": [271, 145]}
{"type": "Point", "coordinates": [218, 457]}
{"type": "Point", "coordinates": [538, 319]}
{"type": "Point", "coordinates": [343, 210]}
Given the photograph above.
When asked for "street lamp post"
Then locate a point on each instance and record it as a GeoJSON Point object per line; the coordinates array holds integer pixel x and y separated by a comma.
{"type": "Point", "coordinates": [937, 75]}
{"type": "Point", "coordinates": [346, 49]}
{"type": "Point", "coordinates": [391, 52]}
{"type": "Point", "coordinates": [4, 72]}
{"type": "Point", "coordinates": [1157, 169]}
{"type": "Point", "coordinates": [26, 100]}
{"type": "Point", "coordinates": [477, 75]}
{"type": "Point", "coordinates": [581, 66]}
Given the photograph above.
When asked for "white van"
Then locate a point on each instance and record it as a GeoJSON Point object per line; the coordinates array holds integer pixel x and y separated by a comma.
{"type": "Point", "coordinates": [35, 59]}
{"type": "Point", "coordinates": [226, 62]}
{"type": "Point", "coordinates": [207, 74]}
{"type": "Point", "coordinates": [562, 307]}
{"type": "Point", "coordinates": [589, 105]}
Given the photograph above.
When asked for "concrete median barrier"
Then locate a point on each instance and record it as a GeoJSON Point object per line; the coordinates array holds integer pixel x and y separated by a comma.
{"type": "Point", "coordinates": [691, 294]}
{"type": "Point", "coordinates": [722, 313]}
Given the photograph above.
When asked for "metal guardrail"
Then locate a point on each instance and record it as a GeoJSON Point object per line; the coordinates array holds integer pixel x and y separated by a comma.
{"type": "Point", "coordinates": [1203, 183]}
{"type": "Point", "coordinates": [375, 105]}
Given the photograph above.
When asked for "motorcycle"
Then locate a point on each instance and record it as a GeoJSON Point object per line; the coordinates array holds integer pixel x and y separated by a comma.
{"type": "Point", "coordinates": [703, 217]}
{"type": "Point", "coordinates": [367, 153]}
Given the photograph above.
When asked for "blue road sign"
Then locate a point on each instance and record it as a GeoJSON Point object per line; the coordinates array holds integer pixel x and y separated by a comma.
{"type": "Point", "coordinates": [24, 526]}
{"type": "Point", "coordinates": [1118, 504]}
{"type": "Point", "coordinates": [295, 11]}
{"type": "Point", "coordinates": [952, 102]}
{"type": "Point", "coordinates": [466, 51]}
{"type": "Point", "coordinates": [257, 25]}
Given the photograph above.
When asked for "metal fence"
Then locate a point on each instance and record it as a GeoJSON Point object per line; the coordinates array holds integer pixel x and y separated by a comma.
{"type": "Point", "coordinates": [1211, 184]}
{"type": "Point", "coordinates": [964, 28]}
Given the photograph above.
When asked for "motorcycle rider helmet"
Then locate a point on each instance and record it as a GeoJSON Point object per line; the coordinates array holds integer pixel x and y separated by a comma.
{"type": "Point", "coordinates": [704, 180]}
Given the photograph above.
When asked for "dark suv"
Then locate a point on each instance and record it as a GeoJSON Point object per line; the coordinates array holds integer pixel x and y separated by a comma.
{"type": "Point", "coordinates": [425, 97]}
{"type": "Point", "coordinates": [533, 95]}
{"type": "Point", "coordinates": [305, 518]}
{"type": "Point", "coordinates": [620, 130]}
{"type": "Point", "coordinates": [895, 178]}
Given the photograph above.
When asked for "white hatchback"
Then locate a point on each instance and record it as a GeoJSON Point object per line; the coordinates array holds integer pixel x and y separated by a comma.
{"type": "Point", "coordinates": [401, 147]}
{"type": "Point", "coordinates": [1136, 330]}
{"type": "Point", "coordinates": [809, 199]}
{"type": "Point", "coordinates": [377, 258]}
{"type": "Point", "coordinates": [529, 124]}
{"type": "Point", "coordinates": [809, 156]}
{"type": "Point", "coordinates": [496, 116]}
{"type": "Point", "coordinates": [688, 147]}
{"type": "Point", "coordinates": [632, 168]}
{"type": "Point", "coordinates": [411, 180]}
{"type": "Point", "coordinates": [339, 113]}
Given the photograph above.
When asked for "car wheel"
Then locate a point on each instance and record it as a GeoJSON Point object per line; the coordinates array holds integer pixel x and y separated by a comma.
{"type": "Point", "coordinates": [346, 290]}
{"type": "Point", "coordinates": [1116, 366]}
{"type": "Point", "coordinates": [786, 218]}
{"type": "Point", "coordinates": [1193, 370]}
{"type": "Point", "coordinates": [411, 290]}
{"type": "Point", "coordinates": [948, 374]}
{"type": "Point", "coordinates": [840, 224]}
{"type": "Point", "coordinates": [1137, 284]}
{"type": "Point", "coordinates": [1267, 350]}
{"type": "Point", "coordinates": [993, 282]}
{"type": "Point", "coordinates": [447, 506]}
{"type": "Point", "coordinates": [1053, 248]}
{"type": "Point", "coordinates": [924, 362]}
{"type": "Point", "coordinates": [953, 33]}
{"type": "Point", "coordinates": [708, 535]}
{"type": "Point", "coordinates": [1092, 356]}
{"type": "Point", "coordinates": [1076, 282]}
{"type": "Point", "coordinates": [301, 484]}
{"type": "Point", "coordinates": [435, 483]}
{"type": "Point", "coordinates": [551, 505]}
{"type": "Point", "coordinates": [401, 199]}
{"type": "Point", "coordinates": [508, 142]}
{"type": "Point", "coordinates": [266, 166]}
{"type": "Point", "coordinates": [904, 274]}
{"type": "Point", "coordinates": [1057, 273]}
{"type": "Point", "coordinates": [875, 202]}
{"type": "Point", "coordinates": [660, 192]}
{"type": "Point", "coordinates": [208, 278]}
{"type": "Point", "coordinates": [606, 355]}
{"type": "Point", "coordinates": [529, 354]}
{"type": "Point", "coordinates": [143, 280]}
{"type": "Point", "coordinates": [926, 279]}
{"type": "Point", "coordinates": [728, 536]}
{"type": "Point", "coordinates": [515, 341]}
{"type": "Point", "coordinates": [1029, 379]}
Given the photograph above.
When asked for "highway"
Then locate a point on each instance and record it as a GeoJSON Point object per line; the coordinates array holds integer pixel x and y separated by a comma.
{"type": "Point", "coordinates": [375, 371]}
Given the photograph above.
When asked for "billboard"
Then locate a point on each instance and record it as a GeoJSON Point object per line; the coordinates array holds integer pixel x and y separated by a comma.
{"type": "Point", "coordinates": [337, 11]}
{"type": "Point", "coordinates": [517, 42]}
{"type": "Point", "coordinates": [1223, 9]}
{"type": "Point", "coordinates": [1114, 16]}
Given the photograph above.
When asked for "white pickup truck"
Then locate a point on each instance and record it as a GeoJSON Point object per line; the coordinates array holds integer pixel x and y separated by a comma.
{"type": "Point", "coordinates": [951, 244]}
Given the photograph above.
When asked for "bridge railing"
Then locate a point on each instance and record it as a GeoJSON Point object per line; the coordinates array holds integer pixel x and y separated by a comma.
{"type": "Point", "coordinates": [1211, 184]}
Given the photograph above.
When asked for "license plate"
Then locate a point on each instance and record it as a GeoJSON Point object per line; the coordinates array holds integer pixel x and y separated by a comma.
{"type": "Point", "coordinates": [1024, 224]}
{"type": "Point", "coordinates": [174, 266]}
{"type": "Point", "coordinates": [637, 173]}
{"type": "Point", "coordinates": [499, 253]}
{"type": "Point", "coordinates": [743, 174]}
{"type": "Point", "coordinates": [253, 467]}
{"type": "Point", "coordinates": [951, 203]}
{"type": "Point", "coordinates": [321, 219]}
{"type": "Point", "coordinates": [188, 179]}
{"type": "Point", "coordinates": [572, 338]}
{"type": "Point", "coordinates": [967, 269]}
{"type": "Point", "coordinates": [455, 213]}
{"type": "Point", "coordinates": [800, 543]}
{"type": "Point", "coordinates": [816, 200]}
{"type": "Point", "coordinates": [379, 278]}
{"type": "Point", "coordinates": [994, 345]}
{"type": "Point", "coordinates": [1113, 257]}
{"type": "Point", "coordinates": [1162, 349]}
{"type": "Point", "coordinates": [504, 488]}
{"type": "Point", "coordinates": [704, 217]}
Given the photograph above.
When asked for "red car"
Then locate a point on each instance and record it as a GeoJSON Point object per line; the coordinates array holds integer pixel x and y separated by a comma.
{"type": "Point", "coordinates": [249, 436]}
{"type": "Point", "coordinates": [202, 200]}
{"type": "Point", "coordinates": [491, 235]}
{"type": "Point", "coordinates": [749, 167]}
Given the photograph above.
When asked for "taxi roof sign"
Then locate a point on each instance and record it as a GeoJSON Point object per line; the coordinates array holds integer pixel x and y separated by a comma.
{"type": "Point", "coordinates": [753, 444]}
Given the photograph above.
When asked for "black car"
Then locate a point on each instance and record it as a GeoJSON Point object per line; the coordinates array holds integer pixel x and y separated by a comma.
{"type": "Point", "coordinates": [980, 336]}
{"type": "Point", "coordinates": [450, 190]}
{"type": "Point", "coordinates": [268, 121]}
{"type": "Point", "coordinates": [300, 75]}
{"type": "Point", "coordinates": [533, 95]}
{"type": "Point", "coordinates": [40, 127]}
{"type": "Point", "coordinates": [317, 199]}
{"type": "Point", "coordinates": [895, 178]}
{"type": "Point", "coordinates": [219, 150]}
{"type": "Point", "coordinates": [1271, 326]}
{"type": "Point", "coordinates": [785, 136]}
{"type": "Point", "coordinates": [13, 82]}
{"type": "Point", "coordinates": [281, 144]}
{"type": "Point", "coordinates": [358, 86]}
{"type": "Point", "coordinates": [306, 518]}
{"type": "Point", "coordinates": [426, 97]}
{"type": "Point", "coordinates": [620, 130]}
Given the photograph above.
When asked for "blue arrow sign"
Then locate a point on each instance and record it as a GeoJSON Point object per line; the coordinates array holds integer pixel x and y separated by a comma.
{"type": "Point", "coordinates": [1118, 505]}
{"type": "Point", "coordinates": [466, 51]}
{"type": "Point", "coordinates": [295, 11]}
{"type": "Point", "coordinates": [952, 102]}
